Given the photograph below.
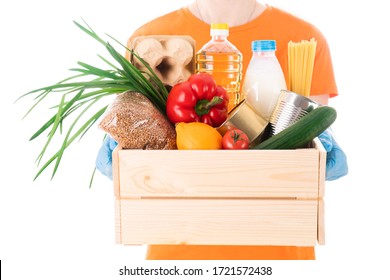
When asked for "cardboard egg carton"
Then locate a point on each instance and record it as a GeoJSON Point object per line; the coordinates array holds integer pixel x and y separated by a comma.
{"type": "Point", "coordinates": [171, 57]}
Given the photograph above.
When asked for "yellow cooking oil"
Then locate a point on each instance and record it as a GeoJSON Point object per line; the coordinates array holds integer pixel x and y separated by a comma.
{"type": "Point", "coordinates": [221, 59]}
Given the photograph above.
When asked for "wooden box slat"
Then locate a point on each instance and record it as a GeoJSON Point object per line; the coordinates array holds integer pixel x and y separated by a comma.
{"type": "Point", "coordinates": [219, 221]}
{"type": "Point", "coordinates": [219, 173]}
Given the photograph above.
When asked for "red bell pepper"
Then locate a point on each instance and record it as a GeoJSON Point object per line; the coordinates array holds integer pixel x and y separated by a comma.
{"type": "Point", "coordinates": [199, 99]}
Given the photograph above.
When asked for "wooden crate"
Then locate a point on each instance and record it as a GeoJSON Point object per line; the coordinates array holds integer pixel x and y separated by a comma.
{"type": "Point", "coordinates": [220, 197]}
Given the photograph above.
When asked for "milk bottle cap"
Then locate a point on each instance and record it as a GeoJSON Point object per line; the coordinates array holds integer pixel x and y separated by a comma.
{"type": "Point", "coordinates": [263, 45]}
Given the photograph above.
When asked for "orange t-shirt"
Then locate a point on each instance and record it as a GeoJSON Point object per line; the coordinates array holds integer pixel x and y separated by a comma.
{"type": "Point", "coordinates": [272, 24]}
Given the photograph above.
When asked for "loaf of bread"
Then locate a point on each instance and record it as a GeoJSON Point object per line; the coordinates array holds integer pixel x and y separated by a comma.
{"type": "Point", "coordinates": [135, 123]}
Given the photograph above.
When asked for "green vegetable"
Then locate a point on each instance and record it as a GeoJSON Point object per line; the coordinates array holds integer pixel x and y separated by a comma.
{"type": "Point", "coordinates": [303, 131]}
{"type": "Point", "coordinates": [87, 89]}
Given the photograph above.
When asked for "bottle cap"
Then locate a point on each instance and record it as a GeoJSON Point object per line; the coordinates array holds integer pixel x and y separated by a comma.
{"type": "Point", "coordinates": [263, 45]}
{"type": "Point", "coordinates": [219, 29]}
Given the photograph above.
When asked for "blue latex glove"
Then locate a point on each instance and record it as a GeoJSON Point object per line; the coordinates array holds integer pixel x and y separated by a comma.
{"type": "Point", "coordinates": [104, 157]}
{"type": "Point", "coordinates": [336, 160]}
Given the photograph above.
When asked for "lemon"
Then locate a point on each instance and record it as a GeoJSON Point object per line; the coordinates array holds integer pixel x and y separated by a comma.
{"type": "Point", "coordinates": [197, 136]}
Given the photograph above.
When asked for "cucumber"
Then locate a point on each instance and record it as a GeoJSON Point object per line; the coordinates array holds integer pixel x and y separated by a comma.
{"type": "Point", "coordinates": [303, 131]}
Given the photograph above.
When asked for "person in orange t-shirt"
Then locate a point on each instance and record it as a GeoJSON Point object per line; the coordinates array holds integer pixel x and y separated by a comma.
{"type": "Point", "coordinates": [248, 20]}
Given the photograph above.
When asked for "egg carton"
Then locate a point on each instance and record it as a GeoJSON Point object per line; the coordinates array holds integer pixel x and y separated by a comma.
{"type": "Point", "coordinates": [171, 57]}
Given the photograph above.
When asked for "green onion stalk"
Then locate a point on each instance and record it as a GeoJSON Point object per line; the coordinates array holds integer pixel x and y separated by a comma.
{"type": "Point", "coordinates": [82, 91]}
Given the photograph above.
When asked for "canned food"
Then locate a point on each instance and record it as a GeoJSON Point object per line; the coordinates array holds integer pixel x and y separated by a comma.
{"type": "Point", "coordinates": [246, 119]}
{"type": "Point", "coordinates": [289, 108]}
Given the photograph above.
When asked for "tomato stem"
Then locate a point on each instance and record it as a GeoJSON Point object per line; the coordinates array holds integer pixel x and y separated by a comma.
{"type": "Point", "coordinates": [236, 136]}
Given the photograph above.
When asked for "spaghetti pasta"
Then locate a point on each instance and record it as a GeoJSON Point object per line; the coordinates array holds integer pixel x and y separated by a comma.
{"type": "Point", "coordinates": [300, 65]}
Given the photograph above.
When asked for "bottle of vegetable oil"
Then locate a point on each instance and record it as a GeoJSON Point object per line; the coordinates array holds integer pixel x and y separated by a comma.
{"type": "Point", "coordinates": [221, 59]}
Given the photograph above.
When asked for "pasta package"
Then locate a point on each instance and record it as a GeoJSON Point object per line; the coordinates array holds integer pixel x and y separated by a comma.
{"type": "Point", "coordinates": [301, 57]}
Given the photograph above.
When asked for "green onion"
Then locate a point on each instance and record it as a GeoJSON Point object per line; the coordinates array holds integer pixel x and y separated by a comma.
{"type": "Point", "coordinates": [80, 92]}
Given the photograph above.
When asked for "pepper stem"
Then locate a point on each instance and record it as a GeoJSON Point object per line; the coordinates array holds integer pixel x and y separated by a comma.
{"type": "Point", "coordinates": [203, 106]}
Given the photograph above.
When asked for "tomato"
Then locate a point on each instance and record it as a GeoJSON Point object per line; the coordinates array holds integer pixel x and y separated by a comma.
{"type": "Point", "coordinates": [235, 139]}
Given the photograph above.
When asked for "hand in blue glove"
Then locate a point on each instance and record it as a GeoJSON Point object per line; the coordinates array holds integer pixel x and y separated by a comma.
{"type": "Point", "coordinates": [104, 157]}
{"type": "Point", "coordinates": [336, 160]}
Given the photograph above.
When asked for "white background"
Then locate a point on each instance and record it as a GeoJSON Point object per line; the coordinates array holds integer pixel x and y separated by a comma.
{"type": "Point", "coordinates": [61, 229]}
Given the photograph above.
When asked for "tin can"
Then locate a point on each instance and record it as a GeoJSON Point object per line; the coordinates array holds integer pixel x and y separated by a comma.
{"type": "Point", "coordinates": [246, 119]}
{"type": "Point", "coordinates": [289, 108]}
